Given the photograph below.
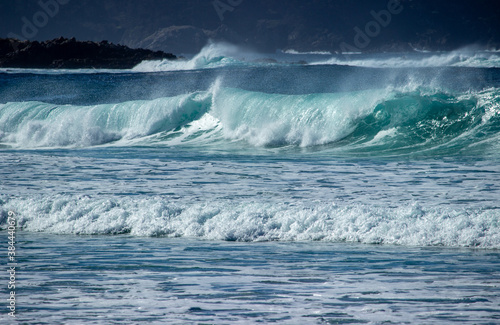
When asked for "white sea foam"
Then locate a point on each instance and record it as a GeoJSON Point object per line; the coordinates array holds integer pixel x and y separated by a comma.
{"type": "Point", "coordinates": [254, 221]}
{"type": "Point", "coordinates": [451, 59]}
{"type": "Point", "coordinates": [294, 52]}
{"type": "Point", "coordinates": [383, 134]}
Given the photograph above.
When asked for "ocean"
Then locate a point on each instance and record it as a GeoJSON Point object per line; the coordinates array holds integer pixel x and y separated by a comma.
{"type": "Point", "coordinates": [240, 188]}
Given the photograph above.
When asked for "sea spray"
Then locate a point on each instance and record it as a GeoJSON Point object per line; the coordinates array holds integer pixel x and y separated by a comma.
{"type": "Point", "coordinates": [457, 58]}
{"type": "Point", "coordinates": [213, 55]}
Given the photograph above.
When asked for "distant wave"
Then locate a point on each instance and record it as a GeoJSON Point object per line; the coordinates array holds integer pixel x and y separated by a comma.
{"type": "Point", "coordinates": [217, 55]}
{"type": "Point", "coordinates": [214, 55]}
{"type": "Point", "coordinates": [257, 221]}
{"type": "Point", "coordinates": [294, 52]}
{"type": "Point", "coordinates": [386, 121]}
{"type": "Point", "coordinates": [220, 55]}
{"type": "Point", "coordinates": [452, 59]}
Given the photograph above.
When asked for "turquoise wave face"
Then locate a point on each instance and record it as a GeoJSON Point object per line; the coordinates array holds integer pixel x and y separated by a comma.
{"type": "Point", "coordinates": [36, 124]}
{"type": "Point", "coordinates": [415, 121]}
{"type": "Point", "coordinates": [381, 121]}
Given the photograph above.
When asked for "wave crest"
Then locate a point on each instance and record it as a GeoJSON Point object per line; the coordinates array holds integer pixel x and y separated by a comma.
{"type": "Point", "coordinates": [368, 121]}
{"type": "Point", "coordinates": [36, 124]}
{"type": "Point", "coordinates": [214, 55]}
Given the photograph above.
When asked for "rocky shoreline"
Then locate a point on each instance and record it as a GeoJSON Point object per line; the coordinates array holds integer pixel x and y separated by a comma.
{"type": "Point", "coordinates": [63, 53]}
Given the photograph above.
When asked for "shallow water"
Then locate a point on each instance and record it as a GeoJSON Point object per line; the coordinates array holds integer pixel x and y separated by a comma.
{"type": "Point", "coordinates": [115, 279]}
{"type": "Point", "coordinates": [151, 192]}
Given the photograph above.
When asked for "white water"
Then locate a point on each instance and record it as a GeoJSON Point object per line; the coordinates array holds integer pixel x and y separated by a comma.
{"type": "Point", "coordinates": [429, 60]}
{"type": "Point", "coordinates": [408, 224]}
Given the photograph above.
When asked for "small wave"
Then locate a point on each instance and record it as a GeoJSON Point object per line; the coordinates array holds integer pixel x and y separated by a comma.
{"type": "Point", "coordinates": [419, 121]}
{"type": "Point", "coordinates": [294, 52]}
{"type": "Point", "coordinates": [453, 59]}
{"type": "Point", "coordinates": [255, 221]}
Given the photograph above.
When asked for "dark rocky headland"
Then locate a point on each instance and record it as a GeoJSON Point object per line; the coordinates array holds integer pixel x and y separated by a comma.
{"type": "Point", "coordinates": [63, 53]}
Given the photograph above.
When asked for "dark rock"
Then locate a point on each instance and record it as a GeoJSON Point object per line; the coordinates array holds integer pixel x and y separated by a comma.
{"type": "Point", "coordinates": [72, 54]}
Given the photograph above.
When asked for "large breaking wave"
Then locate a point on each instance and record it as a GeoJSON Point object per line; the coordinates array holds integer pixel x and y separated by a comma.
{"type": "Point", "coordinates": [376, 121]}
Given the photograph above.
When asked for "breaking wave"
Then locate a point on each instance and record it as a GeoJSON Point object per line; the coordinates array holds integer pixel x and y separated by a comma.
{"type": "Point", "coordinates": [218, 55]}
{"type": "Point", "coordinates": [376, 121]}
{"type": "Point", "coordinates": [254, 221]}
{"type": "Point", "coordinates": [214, 55]}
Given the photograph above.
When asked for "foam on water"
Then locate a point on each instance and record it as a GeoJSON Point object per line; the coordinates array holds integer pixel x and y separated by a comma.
{"type": "Point", "coordinates": [255, 221]}
{"type": "Point", "coordinates": [451, 59]}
